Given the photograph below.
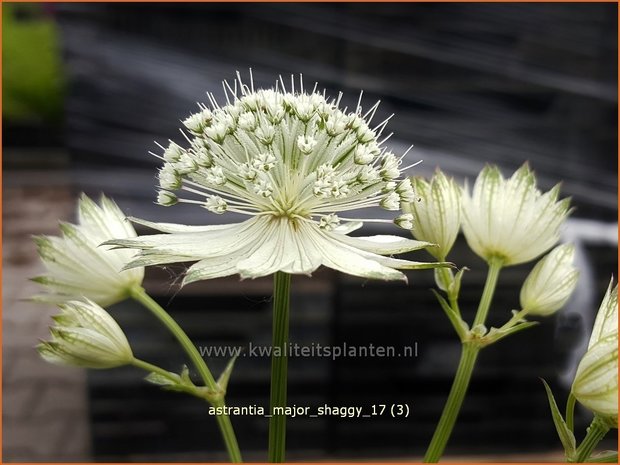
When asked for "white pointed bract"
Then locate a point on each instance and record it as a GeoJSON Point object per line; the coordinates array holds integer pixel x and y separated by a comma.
{"type": "Point", "coordinates": [292, 162]}
{"type": "Point", "coordinates": [551, 283]}
{"type": "Point", "coordinates": [510, 219]}
{"type": "Point", "coordinates": [85, 335]}
{"type": "Point", "coordinates": [596, 381]}
{"type": "Point", "coordinates": [76, 264]}
{"type": "Point", "coordinates": [436, 211]}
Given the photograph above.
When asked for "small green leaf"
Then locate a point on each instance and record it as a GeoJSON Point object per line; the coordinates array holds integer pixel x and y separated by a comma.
{"type": "Point", "coordinates": [185, 379]}
{"type": "Point", "coordinates": [608, 456]}
{"type": "Point", "coordinates": [499, 334]}
{"type": "Point", "coordinates": [566, 435]}
{"type": "Point", "coordinates": [443, 282]}
{"type": "Point", "coordinates": [161, 380]}
{"type": "Point", "coordinates": [459, 325]}
{"type": "Point", "coordinates": [455, 287]}
{"type": "Point", "coordinates": [225, 376]}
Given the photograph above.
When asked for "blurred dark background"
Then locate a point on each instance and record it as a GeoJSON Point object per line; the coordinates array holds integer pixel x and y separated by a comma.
{"type": "Point", "coordinates": [87, 90]}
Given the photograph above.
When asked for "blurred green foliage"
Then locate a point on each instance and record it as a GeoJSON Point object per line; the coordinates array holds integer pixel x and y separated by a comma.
{"type": "Point", "coordinates": [32, 79]}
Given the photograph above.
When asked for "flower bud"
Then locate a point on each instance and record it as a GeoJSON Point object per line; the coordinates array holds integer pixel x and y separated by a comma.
{"type": "Point", "coordinates": [596, 381]}
{"type": "Point", "coordinates": [436, 212]}
{"type": "Point", "coordinates": [85, 335]}
{"type": "Point", "coordinates": [76, 264]}
{"type": "Point", "coordinates": [551, 283]}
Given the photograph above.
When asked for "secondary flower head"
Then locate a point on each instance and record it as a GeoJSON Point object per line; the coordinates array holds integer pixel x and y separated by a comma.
{"type": "Point", "coordinates": [596, 380]}
{"type": "Point", "coordinates": [551, 283]}
{"type": "Point", "coordinates": [436, 212]}
{"type": "Point", "coordinates": [85, 335]}
{"type": "Point", "coordinates": [510, 219]}
{"type": "Point", "coordinates": [293, 162]}
{"type": "Point", "coordinates": [76, 265]}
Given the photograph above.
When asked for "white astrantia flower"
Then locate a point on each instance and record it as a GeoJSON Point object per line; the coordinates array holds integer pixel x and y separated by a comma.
{"type": "Point", "coordinates": [85, 335]}
{"type": "Point", "coordinates": [294, 163]}
{"type": "Point", "coordinates": [436, 212]}
{"type": "Point", "coordinates": [76, 264]}
{"type": "Point", "coordinates": [596, 381]}
{"type": "Point", "coordinates": [510, 219]}
{"type": "Point", "coordinates": [550, 283]}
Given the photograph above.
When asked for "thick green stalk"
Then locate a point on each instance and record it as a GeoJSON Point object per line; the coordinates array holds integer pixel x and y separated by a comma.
{"type": "Point", "coordinates": [495, 266]}
{"type": "Point", "coordinates": [139, 294]}
{"type": "Point", "coordinates": [464, 371]}
{"type": "Point", "coordinates": [453, 405]}
{"type": "Point", "coordinates": [149, 367]}
{"type": "Point", "coordinates": [596, 431]}
{"type": "Point", "coordinates": [279, 365]}
{"type": "Point", "coordinates": [570, 411]}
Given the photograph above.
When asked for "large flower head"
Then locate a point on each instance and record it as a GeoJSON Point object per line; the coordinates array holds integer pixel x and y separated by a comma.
{"type": "Point", "coordinates": [85, 335]}
{"type": "Point", "coordinates": [510, 219]}
{"type": "Point", "coordinates": [596, 380]}
{"type": "Point", "coordinates": [294, 163]}
{"type": "Point", "coordinates": [77, 267]}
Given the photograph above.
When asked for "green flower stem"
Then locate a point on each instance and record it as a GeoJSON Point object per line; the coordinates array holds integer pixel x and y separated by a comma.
{"type": "Point", "coordinates": [153, 368]}
{"type": "Point", "coordinates": [570, 411]}
{"type": "Point", "coordinates": [465, 369]}
{"type": "Point", "coordinates": [495, 266]}
{"type": "Point", "coordinates": [596, 431]}
{"type": "Point", "coordinates": [228, 433]}
{"type": "Point", "coordinates": [139, 294]}
{"type": "Point", "coordinates": [279, 361]}
{"type": "Point", "coordinates": [451, 410]}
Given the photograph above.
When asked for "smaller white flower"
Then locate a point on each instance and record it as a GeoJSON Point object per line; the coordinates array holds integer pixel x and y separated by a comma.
{"type": "Point", "coordinates": [197, 122]}
{"type": "Point", "coordinates": [551, 283]}
{"type": "Point", "coordinates": [186, 164]}
{"type": "Point", "coordinates": [305, 144]}
{"type": "Point", "coordinates": [596, 381]}
{"type": "Point", "coordinates": [173, 152]}
{"type": "Point", "coordinates": [85, 335]}
{"type": "Point", "coordinates": [335, 125]}
{"type": "Point", "coordinates": [405, 190]}
{"type": "Point", "coordinates": [215, 176]}
{"type": "Point", "coordinates": [169, 178]}
{"type": "Point", "coordinates": [77, 267]}
{"type": "Point", "coordinates": [404, 221]}
{"type": "Point", "coordinates": [329, 222]}
{"type": "Point", "coordinates": [363, 155]}
{"type": "Point", "coordinates": [391, 202]}
{"type": "Point", "coordinates": [247, 121]}
{"type": "Point", "coordinates": [264, 162]}
{"type": "Point", "coordinates": [166, 198]}
{"type": "Point", "coordinates": [265, 134]}
{"type": "Point", "coordinates": [203, 158]}
{"type": "Point", "coordinates": [510, 219]}
{"type": "Point", "coordinates": [436, 210]}
{"type": "Point", "coordinates": [216, 204]}
{"type": "Point", "coordinates": [390, 167]}
{"type": "Point", "coordinates": [368, 174]}
{"type": "Point", "coordinates": [263, 187]}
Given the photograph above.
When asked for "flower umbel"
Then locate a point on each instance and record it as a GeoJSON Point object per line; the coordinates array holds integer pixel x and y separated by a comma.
{"type": "Point", "coordinates": [596, 380]}
{"type": "Point", "coordinates": [77, 267]}
{"type": "Point", "coordinates": [551, 283]}
{"type": "Point", "coordinates": [436, 212]}
{"type": "Point", "coordinates": [85, 335]}
{"type": "Point", "coordinates": [510, 219]}
{"type": "Point", "coordinates": [292, 162]}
